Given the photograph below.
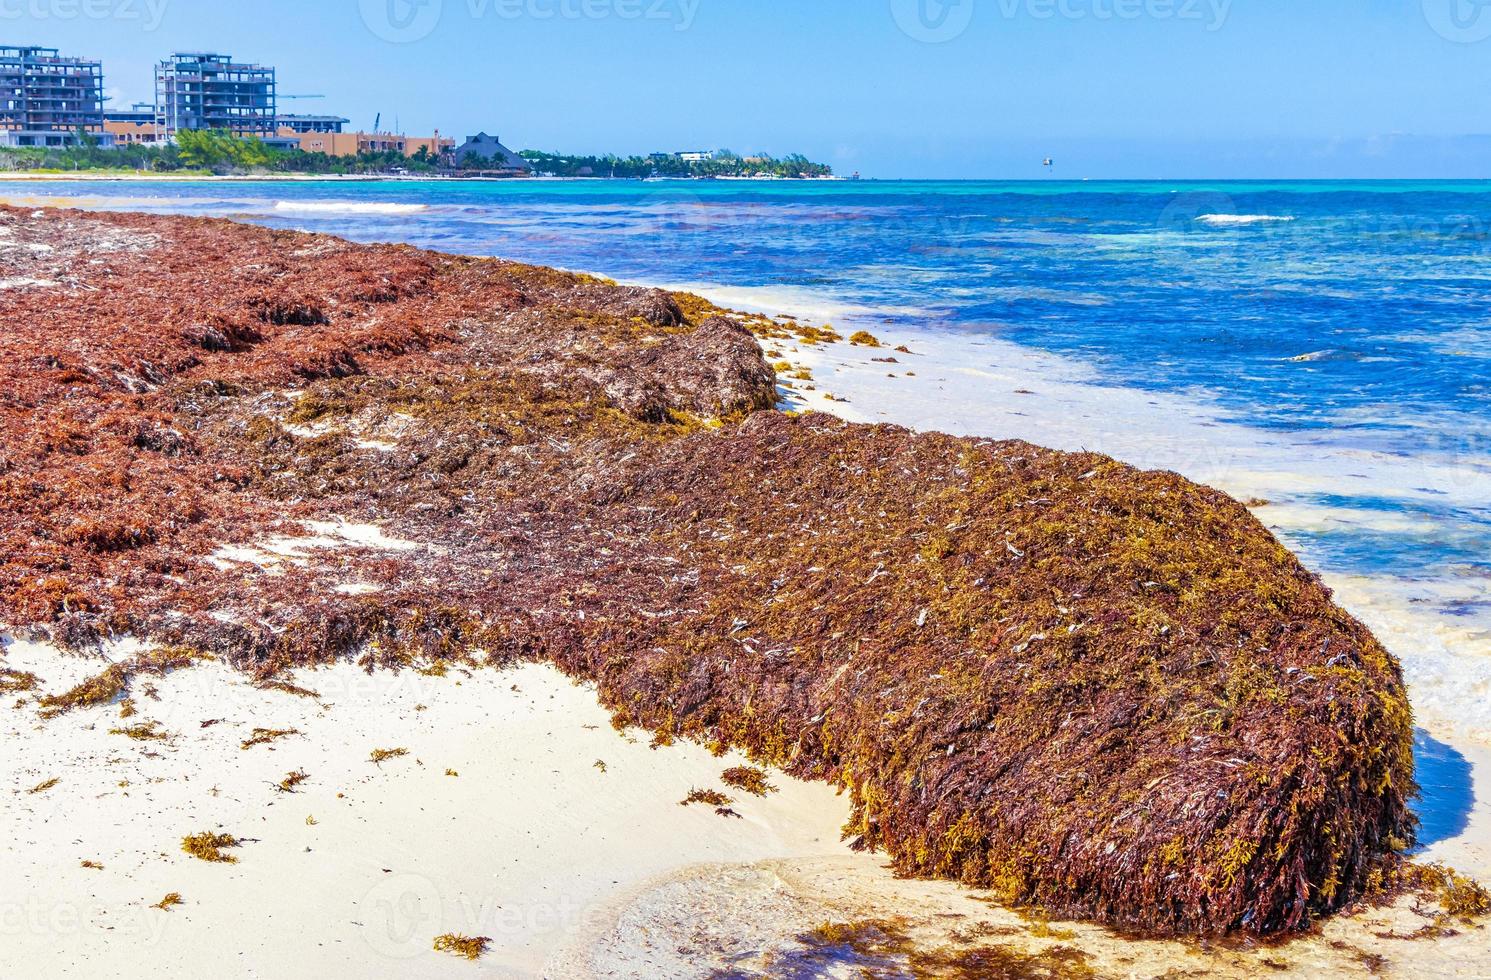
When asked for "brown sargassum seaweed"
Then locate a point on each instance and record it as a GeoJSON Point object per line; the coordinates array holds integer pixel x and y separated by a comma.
{"type": "Point", "coordinates": [1106, 692]}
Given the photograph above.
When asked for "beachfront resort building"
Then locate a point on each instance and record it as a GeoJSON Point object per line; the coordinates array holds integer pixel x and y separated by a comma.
{"type": "Point", "coordinates": [202, 90]}
{"type": "Point", "coordinates": [49, 100]}
{"type": "Point", "coordinates": [132, 126]}
{"type": "Point", "coordinates": [485, 154]}
{"type": "Point", "coordinates": [340, 144]}
{"type": "Point", "coordinates": [297, 125]}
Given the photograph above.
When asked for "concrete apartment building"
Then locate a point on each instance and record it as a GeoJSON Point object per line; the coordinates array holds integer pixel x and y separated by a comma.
{"type": "Point", "coordinates": [49, 100]}
{"type": "Point", "coordinates": [203, 90]}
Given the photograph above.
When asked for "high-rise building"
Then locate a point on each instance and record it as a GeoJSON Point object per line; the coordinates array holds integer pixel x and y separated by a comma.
{"type": "Point", "coordinates": [200, 90]}
{"type": "Point", "coordinates": [49, 100]}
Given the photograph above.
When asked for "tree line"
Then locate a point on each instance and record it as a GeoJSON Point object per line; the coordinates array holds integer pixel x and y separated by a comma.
{"type": "Point", "coordinates": [724, 163]}
{"type": "Point", "coordinates": [220, 152]}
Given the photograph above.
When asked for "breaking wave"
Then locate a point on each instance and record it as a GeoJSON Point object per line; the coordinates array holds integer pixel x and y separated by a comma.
{"type": "Point", "coordinates": [1242, 219]}
{"type": "Point", "coordinates": [348, 207]}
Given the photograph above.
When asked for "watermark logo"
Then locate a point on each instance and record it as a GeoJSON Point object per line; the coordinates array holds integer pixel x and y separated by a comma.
{"type": "Point", "coordinates": [1455, 459]}
{"type": "Point", "coordinates": [1460, 21]}
{"type": "Point", "coordinates": [61, 923]}
{"type": "Point", "coordinates": [939, 21]}
{"type": "Point", "coordinates": [401, 21]}
{"type": "Point", "coordinates": [1206, 211]}
{"type": "Point", "coordinates": [400, 915]}
{"type": "Point", "coordinates": [407, 21]}
{"type": "Point", "coordinates": [149, 13]}
{"type": "Point", "coordinates": [932, 21]}
{"type": "Point", "coordinates": [1212, 13]}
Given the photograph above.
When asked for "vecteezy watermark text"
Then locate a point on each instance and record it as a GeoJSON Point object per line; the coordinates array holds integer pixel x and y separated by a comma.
{"type": "Point", "coordinates": [936, 21]}
{"type": "Point", "coordinates": [1212, 13]}
{"type": "Point", "coordinates": [150, 13]}
{"type": "Point", "coordinates": [405, 21]}
{"type": "Point", "coordinates": [400, 915]}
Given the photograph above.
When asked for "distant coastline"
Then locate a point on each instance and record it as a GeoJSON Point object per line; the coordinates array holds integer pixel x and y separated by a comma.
{"type": "Point", "coordinates": [45, 176]}
{"type": "Point", "coordinates": [217, 153]}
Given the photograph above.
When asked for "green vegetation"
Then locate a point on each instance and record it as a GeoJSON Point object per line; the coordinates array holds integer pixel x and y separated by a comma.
{"type": "Point", "coordinates": [724, 164]}
{"type": "Point", "coordinates": [217, 152]}
{"type": "Point", "coordinates": [206, 152]}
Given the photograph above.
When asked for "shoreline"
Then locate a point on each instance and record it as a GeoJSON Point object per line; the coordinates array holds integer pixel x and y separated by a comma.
{"type": "Point", "coordinates": [555, 846]}
{"type": "Point", "coordinates": [21, 176]}
{"type": "Point", "coordinates": [497, 823]}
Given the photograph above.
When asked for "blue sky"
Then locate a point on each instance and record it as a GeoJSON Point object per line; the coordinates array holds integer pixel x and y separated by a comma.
{"type": "Point", "coordinates": [893, 88]}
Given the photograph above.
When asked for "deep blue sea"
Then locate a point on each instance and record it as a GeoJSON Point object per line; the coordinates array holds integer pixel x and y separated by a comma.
{"type": "Point", "coordinates": [1342, 330]}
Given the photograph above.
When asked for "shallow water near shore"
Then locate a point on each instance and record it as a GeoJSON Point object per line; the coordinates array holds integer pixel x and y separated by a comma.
{"type": "Point", "coordinates": [1321, 348]}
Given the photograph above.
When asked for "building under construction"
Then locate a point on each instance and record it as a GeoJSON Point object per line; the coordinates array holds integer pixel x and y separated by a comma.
{"type": "Point", "coordinates": [49, 100]}
{"type": "Point", "coordinates": [200, 90]}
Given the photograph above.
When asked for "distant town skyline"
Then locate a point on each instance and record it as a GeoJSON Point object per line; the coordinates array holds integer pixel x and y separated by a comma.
{"type": "Point", "coordinates": [893, 88]}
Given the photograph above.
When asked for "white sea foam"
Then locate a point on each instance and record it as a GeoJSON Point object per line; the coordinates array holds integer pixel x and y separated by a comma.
{"type": "Point", "coordinates": [1223, 220]}
{"type": "Point", "coordinates": [348, 207]}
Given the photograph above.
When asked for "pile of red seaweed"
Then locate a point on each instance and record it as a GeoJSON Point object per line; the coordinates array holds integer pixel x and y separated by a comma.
{"type": "Point", "coordinates": [1107, 692]}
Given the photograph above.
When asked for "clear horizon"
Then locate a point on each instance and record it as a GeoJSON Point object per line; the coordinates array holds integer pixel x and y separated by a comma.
{"type": "Point", "coordinates": [967, 89]}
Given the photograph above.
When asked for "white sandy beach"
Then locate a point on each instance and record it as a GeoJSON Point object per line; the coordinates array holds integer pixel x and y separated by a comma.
{"type": "Point", "coordinates": [570, 867]}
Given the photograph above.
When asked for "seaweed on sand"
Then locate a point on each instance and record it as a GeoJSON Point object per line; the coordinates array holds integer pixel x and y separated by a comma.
{"type": "Point", "coordinates": [291, 781]}
{"type": "Point", "coordinates": [145, 732]}
{"type": "Point", "coordinates": [884, 948]}
{"type": "Point", "coordinates": [747, 779]}
{"type": "Point", "coordinates": [114, 681]}
{"type": "Point", "coordinates": [708, 797]}
{"type": "Point", "coordinates": [209, 846]}
{"type": "Point", "coordinates": [264, 736]}
{"type": "Point", "coordinates": [285, 687]}
{"type": "Point", "coordinates": [470, 947]}
{"type": "Point", "coordinates": [1443, 896]}
{"type": "Point", "coordinates": [1106, 692]}
{"type": "Point", "coordinates": [17, 681]}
